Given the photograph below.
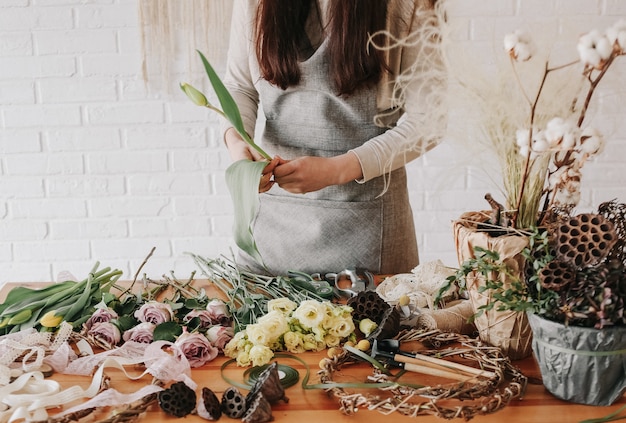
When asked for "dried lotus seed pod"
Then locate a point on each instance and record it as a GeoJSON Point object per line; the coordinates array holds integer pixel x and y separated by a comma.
{"type": "Point", "coordinates": [268, 383]}
{"type": "Point", "coordinates": [584, 240]}
{"type": "Point", "coordinates": [209, 408]}
{"type": "Point", "coordinates": [556, 275]}
{"type": "Point", "coordinates": [177, 400]}
{"type": "Point", "coordinates": [368, 305]}
{"type": "Point", "coordinates": [233, 403]}
{"type": "Point", "coordinates": [259, 410]}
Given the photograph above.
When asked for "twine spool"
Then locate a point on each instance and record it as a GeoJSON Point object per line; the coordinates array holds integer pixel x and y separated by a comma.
{"type": "Point", "coordinates": [454, 318]}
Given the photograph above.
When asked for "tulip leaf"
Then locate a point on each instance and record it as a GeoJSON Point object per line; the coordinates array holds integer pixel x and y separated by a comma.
{"type": "Point", "coordinates": [229, 107]}
{"type": "Point", "coordinates": [242, 179]}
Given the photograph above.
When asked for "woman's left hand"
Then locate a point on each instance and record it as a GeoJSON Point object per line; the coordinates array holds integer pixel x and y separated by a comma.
{"type": "Point", "coordinates": [308, 173]}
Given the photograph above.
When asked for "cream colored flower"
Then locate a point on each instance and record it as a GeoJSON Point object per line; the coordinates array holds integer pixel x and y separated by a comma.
{"type": "Point", "coordinates": [257, 334]}
{"type": "Point", "coordinates": [294, 342]}
{"type": "Point", "coordinates": [342, 327]}
{"type": "Point", "coordinates": [260, 355]}
{"type": "Point", "coordinates": [274, 324]}
{"type": "Point", "coordinates": [284, 305]}
{"type": "Point", "coordinates": [310, 313]}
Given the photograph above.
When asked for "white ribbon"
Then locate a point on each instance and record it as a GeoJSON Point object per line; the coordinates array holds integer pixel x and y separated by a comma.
{"type": "Point", "coordinates": [29, 396]}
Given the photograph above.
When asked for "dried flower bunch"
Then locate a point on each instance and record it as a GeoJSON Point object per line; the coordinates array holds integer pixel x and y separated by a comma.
{"type": "Point", "coordinates": [534, 121]}
{"type": "Point", "coordinates": [575, 271]}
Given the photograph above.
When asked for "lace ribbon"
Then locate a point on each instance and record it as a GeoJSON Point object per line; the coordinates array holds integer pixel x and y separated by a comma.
{"type": "Point", "coordinates": [29, 396]}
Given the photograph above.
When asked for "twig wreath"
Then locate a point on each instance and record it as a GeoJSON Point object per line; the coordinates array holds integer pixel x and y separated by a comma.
{"type": "Point", "coordinates": [454, 400]}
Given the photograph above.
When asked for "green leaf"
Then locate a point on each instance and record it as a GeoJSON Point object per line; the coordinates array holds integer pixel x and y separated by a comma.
{"type": "Point", "coordinates": [242, 179]}
{"type": "Point", "coordinates": [167, 331]}
{"type": "Point", "coordinates": [229, 107]}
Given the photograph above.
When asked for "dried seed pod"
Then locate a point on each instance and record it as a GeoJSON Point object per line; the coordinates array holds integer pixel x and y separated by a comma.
{"type": "Point", "coordinates": [389, 325]}
{"type": "Point", "coordinates": [268, 384]}
{"type": "Point", "coordinates": [233, 403]}
{"type": "Point", "coordinates": [557, 275]}
{"type": "Point", "coordinates": [584, 240]}
{"type": "Point", "coordinates": [209, 408]}
{"type": "Point", "coordinates": [177, 400]}
{"type": "Point", "coordinates": [368, 304]}
{"type": "Point", "coordinates": [259, 410]}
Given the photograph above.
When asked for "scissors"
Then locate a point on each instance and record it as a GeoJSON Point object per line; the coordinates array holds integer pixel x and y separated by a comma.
{"type": "Point", "coordinates": [360, 280]}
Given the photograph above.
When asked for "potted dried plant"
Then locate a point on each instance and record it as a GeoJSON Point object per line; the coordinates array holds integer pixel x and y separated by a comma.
{"type": "Point", "coordinates": [532, 117]}
{"type": "Point", "coordinates": [573, 290]}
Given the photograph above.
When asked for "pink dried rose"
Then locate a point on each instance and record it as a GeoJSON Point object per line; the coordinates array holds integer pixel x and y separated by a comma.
{"type": "Point", "coordinates": [142, 333]}
{"type": "Point", "coordinates": [99, 316]}
{"type": "Point", "coordinates": [205, 316]}
{"type": "Point", "coordinates": [218, 311]}
{"type": "Point", "coordinates": [154, 312]}
{"type": "Point", "coordinates": [106, 333]}
{"type": "Point", "coordinates": [219, 336]}
{"type": "Point", "coordinates": [196, 348]}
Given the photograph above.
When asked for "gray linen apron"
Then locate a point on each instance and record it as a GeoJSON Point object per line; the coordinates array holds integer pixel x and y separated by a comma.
{"type": "Point", "coordinates": [338, 227]}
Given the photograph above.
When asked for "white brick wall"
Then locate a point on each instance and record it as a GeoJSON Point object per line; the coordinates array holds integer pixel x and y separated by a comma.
{"type": "Point", "coordinates": [96, 166]}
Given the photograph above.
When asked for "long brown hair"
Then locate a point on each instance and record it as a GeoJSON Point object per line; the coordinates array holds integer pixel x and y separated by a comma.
{"type": "Point", "coordinates": [280, 31]}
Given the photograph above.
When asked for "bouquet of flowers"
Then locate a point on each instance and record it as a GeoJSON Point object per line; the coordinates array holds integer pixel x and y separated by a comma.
{"type": "Point", "coordinates": [310, 326]}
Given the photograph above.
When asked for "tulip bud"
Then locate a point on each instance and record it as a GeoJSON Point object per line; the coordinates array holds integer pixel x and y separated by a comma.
{"type": "Point", "coordinates": [194, 95]}
{"type": "Point", "coordinates": [22, 317]}
{"type": "Point", "coordinates": [51, 320]}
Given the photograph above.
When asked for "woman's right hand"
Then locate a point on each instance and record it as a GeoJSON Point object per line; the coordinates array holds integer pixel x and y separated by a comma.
{"type": "Point", "coordinates": [240, 150]}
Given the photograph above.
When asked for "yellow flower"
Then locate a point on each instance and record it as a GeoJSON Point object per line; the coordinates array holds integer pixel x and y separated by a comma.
{"type": "Point", "coordinates": [51, 320]}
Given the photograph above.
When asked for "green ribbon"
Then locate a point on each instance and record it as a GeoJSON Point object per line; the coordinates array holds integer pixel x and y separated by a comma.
{"type": "Point", "coordinates": [579, 352]}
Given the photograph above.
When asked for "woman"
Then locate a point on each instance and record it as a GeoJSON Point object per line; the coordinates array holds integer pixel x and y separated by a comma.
{"type": "Point", "coordinates": [335, 195]}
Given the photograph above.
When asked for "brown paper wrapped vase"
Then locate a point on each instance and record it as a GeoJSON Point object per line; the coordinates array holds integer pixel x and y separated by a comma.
{"type": "Point", "coordinates": [508, 330]}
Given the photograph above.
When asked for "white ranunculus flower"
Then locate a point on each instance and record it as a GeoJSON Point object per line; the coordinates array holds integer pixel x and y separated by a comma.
{"type": "Point", "coordinates": [260, 355]}
{"type": "Point", "coordinates": [284, 305]}
{"type": "Point", "coordinates": [294, 342]}
{"type": "Point", "coordinates": [274, 324]}
{"type": "Point", "coordinates": [342, 327]}
{"type": "Point", "coordinates": [310, 313]}
{"type": "Point", "coordinates": [257, 334]}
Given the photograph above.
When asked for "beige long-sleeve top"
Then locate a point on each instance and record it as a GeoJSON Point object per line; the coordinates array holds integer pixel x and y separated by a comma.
{"type": "Point", "coordinates": [403, 108]}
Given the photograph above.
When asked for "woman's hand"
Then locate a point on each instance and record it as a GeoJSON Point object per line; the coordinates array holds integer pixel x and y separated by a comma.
{"type": "Point", "coordinates": [308, 174]}
{"type": "Point", "coordinates": [240, 150]}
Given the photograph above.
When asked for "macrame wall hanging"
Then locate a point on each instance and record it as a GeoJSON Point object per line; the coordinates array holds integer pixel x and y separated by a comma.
{"type": "Point", "coordinates": [172, 31]}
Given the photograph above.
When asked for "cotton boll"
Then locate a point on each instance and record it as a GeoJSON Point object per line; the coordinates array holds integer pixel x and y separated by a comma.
{"type": "Point", "coordinates": [594, 48]}
{"type": "Point", "coordinates": [591, 142]}
{"type": "Point", "coordinates": [617, 34]}
{"type": "Point", "coordinates": [519, 45]}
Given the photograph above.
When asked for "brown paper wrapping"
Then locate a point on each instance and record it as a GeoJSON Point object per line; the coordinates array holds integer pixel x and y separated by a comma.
{"type": "Point", "coordinates": [507, 330]}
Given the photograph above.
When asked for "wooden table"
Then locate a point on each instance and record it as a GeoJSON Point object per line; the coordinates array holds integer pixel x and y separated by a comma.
{"type": "Point", "coordinates": [314, 406]}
